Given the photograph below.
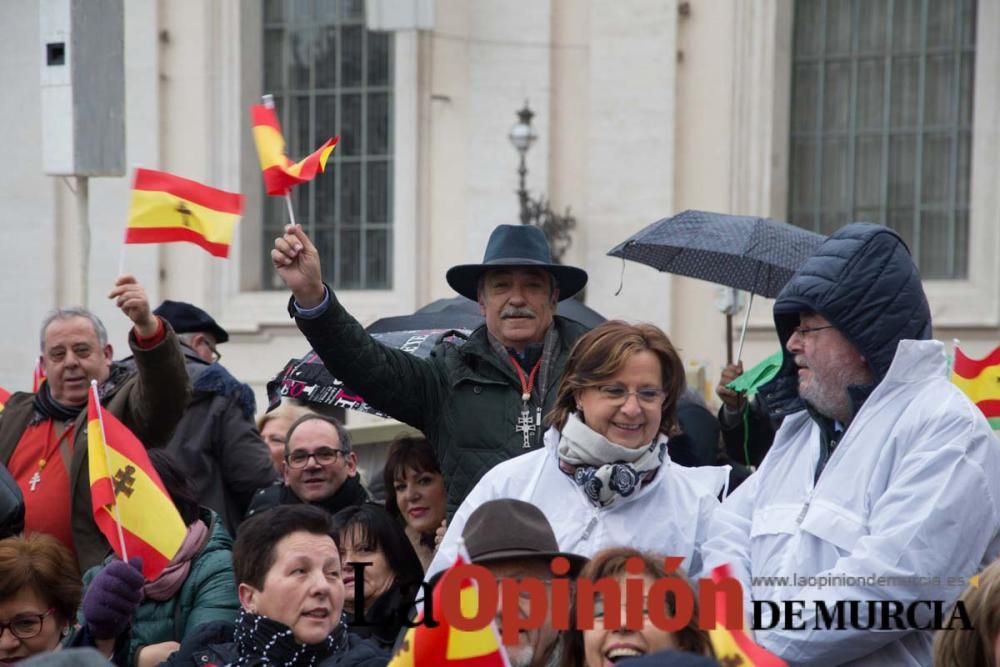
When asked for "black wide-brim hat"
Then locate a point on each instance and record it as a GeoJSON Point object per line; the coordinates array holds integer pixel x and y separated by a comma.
{"type": "Point", "coordinates": [516, 247]}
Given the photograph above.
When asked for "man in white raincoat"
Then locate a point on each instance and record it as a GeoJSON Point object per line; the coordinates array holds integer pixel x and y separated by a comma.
{"type": "Point", "coordinates": [881, 487]}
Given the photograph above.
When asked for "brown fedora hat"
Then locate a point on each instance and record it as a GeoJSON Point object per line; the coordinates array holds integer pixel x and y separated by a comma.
{"type": "Point", "coordinates": [506, 529]}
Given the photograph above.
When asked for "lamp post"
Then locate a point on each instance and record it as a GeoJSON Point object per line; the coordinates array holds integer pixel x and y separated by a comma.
{"type": "Point", "coordinates": [522, 136]}
{"type": "Point", "coordinates": [537, 211]}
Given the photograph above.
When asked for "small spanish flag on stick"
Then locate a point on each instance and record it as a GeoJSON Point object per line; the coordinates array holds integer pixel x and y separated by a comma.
{"type": "Point", "coordinates": [4, 395]}
{"type": "Point", "coordinates": [733, 646]}
{"type": "Point", "coordinates": [167, 208]}
{"type": "Point", "coordinates": [131, 506]}
{"type": "Point", "coordinates": [280, 173]}
{"type": "Point", "coordinates": [980, 380]}
{"type": "Point", "coordinates": [445, 646]}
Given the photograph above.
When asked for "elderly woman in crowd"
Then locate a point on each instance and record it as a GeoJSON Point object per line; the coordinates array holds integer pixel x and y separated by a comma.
{"type": "Point", "coordinates": [602, 645]}
{"type": "Point", "coordinates": [148, 620]}
{"type": "Point", "coordinates": [291, 591]}
{"type": "Point", "coordinates": [958, 646]}
{"type": "Point", "coordinates": [390, 577]}
{"type": "Point", "coordinates": [39, 593]}
{"type": "Point", "coordinates": [415, 493]}
{"type": "Point", "coordinates": [273, 426]}
{"type": "Point", "coordinates": [603, 477]}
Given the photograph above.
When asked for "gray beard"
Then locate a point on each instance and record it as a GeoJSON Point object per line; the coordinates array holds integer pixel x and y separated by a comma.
{"type": "Point", "coordinates": [830, 397]}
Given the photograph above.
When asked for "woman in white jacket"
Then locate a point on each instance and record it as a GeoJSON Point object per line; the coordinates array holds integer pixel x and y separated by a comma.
{"type": "Point", "coordinates": [603, 477]}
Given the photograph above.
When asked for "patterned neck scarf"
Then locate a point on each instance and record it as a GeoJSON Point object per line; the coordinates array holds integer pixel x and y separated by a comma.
{"type": "Point", "coordinates": [603, 470]}
{"type": "Point", "coordinates": [261, 641]}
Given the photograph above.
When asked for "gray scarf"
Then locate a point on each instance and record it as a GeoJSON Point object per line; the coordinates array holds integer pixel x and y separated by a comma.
{"type": "Point", "coordinates": [606, 471]}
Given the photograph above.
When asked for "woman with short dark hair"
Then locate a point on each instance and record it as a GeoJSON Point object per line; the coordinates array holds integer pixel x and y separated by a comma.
{"type": "Point", "coordinates": [415, 493]}
{"type": "Point", "coordinates": [603, 477]}
{"type": "Point", "coordinates": [291, 592]}
{"type": "Point", "coordinates": [389, 570]}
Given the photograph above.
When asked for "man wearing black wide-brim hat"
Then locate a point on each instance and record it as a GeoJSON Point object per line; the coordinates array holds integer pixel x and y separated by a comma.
{"type": "Point", "coordinates": [479, 403]}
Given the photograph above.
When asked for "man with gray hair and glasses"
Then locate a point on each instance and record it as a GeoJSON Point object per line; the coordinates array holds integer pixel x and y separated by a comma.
{"type": "Point", "coordinates": [319, 468]}
{"type": "Point", "coordinates": [43, 436]}
{"type": "Point", "coordinates": [879, 492]}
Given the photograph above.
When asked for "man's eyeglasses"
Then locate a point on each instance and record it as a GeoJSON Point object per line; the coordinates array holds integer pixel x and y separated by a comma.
{"type": "Point", "coordinates": [25, 626]}
{"type": "Point", "coordinates": [216, 355]}
{"type": "Point", "coordinates": [324, 457]}
{"type": "Point", "coordinates": [802, 331]}
{"type": "Point", "coordinates": [617, 394]}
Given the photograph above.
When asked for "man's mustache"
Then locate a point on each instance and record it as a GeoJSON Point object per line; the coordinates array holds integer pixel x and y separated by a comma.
{"type": "Point", "coordinates": [517, 312]}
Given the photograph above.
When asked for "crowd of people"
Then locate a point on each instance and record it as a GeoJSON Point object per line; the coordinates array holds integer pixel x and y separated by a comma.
{"type": "Point", "coordinates": [552, 453]}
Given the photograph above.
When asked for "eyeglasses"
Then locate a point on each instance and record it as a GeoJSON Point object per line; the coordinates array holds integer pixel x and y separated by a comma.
{"type": "Point", "coordinates": [802, 331]}
{"type": "Point", "coordinates": [617, 394]}
{"type": "Point", "coordinates": [216, 355]}
{"type": "Point", "coordinates": [25, 626]}
{"type": "Point", "coordinates": [324, 457]}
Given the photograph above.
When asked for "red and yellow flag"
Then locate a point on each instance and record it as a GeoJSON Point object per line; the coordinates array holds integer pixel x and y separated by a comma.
{"type": "Point", "coordinates": [734, 646]}
{"type": "Point", "coordinates": [280, 173]}
{"type": "Point", "coordinates": [980, 380]}
{"type": "Point", "coordinates": [4, 395]}
{"type": "Point", "coordinates": [37, 376]}
{"type": "Point", "coordinates": [445, 646]}
{"type": "Point", "coordinates": [167, 209]}
{"type": "Point", "coordinates": [131, 505]}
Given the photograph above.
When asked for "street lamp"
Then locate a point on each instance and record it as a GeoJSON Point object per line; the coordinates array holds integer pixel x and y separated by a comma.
{"type": "Point", "coordinates": [522, 136]}
{"type": "Point", "coordinates": [537, 212]}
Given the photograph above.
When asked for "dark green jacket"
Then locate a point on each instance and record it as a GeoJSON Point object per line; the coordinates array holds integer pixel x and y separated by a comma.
{"type": "Point", "coordinates": [149, 402]}
{"type": "Point", "coordinates": [466, 399]}
{"type": "Point", "coordinates": [208, 594]}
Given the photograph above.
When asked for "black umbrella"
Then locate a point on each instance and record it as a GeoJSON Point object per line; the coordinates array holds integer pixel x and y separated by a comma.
{"type": "Point", "coordinates": [308, 380]}
{"type": "Point", "coordinates": [757, 255]}
{"type": "Point", "coordinates": [460, 306]}
{"type": "Point", "coordinates": [452, 320]}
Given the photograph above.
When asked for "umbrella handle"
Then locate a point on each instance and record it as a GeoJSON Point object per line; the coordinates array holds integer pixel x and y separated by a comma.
{"type": "Point", "coordinates": [729, 339]}
{"type": "Point", "coordinates": [743, 334]}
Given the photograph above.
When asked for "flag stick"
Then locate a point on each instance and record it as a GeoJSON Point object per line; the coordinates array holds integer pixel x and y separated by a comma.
{"type": "Point", "coordinates": [104, 442]}
{"type": "Point", "coordinates": [291, 213]}
{"type": "Point", "coordinates": [743, 334]}
{"type": "Point", "coordinates": [121, 255]}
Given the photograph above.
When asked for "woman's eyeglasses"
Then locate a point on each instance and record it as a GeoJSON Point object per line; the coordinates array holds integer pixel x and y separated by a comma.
{"type": "Point", "coordinates": [25, 626]}
{"type": "Point", "coordinates": [617, 394]}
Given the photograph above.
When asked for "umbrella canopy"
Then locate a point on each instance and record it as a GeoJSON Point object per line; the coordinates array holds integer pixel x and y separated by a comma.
{"type": "Point", "coordinates": [756, 255]}
{"type": "Point", "coordinates": [452, 320]}
{"type": "Point", "coordinates": [308, 380]}
{"type": "Point", "coordinates": [460, 306]}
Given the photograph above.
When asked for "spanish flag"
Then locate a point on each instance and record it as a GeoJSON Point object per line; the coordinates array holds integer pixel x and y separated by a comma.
{"type": "Point", "coordinates": [167, 208]}
{"type": "Point", "coordinates": [280, 173]}
{"type": "Point", "coordinates": [4, 395]}
{"type": "Point", "coordinates": [980, 380]}
{"type": "Point", "coordinates": [37, 376]}
{"type": "Point", "coordinates": [445, 646]}
{"type": "Point", "coordinates": [733, 646]}
{"type": "Point", "coordinates": [131, 506]}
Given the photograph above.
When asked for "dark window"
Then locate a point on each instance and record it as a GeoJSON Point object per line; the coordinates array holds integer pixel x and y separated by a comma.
{"type": "Point", "coordinates": [881, 122]}
{"type": "Point", "coordinates": [331, 76]}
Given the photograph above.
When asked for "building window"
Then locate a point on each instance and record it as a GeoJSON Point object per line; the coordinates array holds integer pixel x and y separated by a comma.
{"type": "Point", "coordinates": [881, 122]}
{"type": "Point", "coordinates": [330, 76]}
